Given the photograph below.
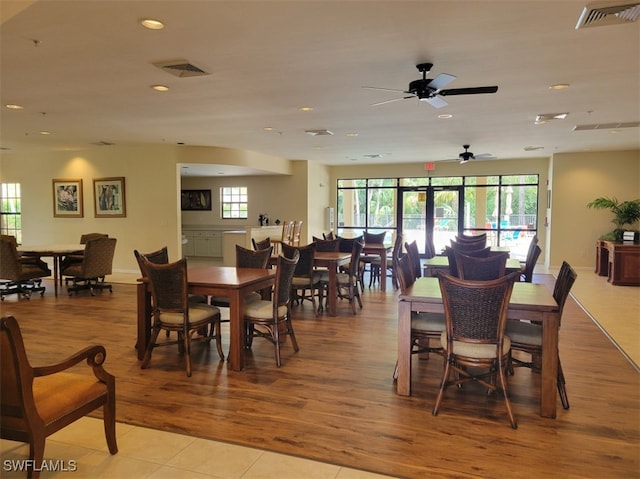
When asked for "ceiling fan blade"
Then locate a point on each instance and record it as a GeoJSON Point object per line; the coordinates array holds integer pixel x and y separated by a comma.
{"type": "Point", "coordinates": [441, 81]}
{"type": "Point", "coordinates": [485, 156]}
{"type": "Point", "coordinates": [390, 101]}
{"type": "Point", "coordinates": [384, 89]}
{"type": "Point", "coordinates": [469, 91]}
{"type": "Point", "coordinates": [435, 101]}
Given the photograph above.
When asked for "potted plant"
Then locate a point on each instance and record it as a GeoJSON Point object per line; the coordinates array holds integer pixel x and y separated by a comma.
{"type": "Point", "coordinates": [625, 213]}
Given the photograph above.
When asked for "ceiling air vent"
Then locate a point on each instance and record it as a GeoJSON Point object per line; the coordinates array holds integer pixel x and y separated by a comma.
{"type": "Point", "coordinates": [181, 68]}
{"type": "Point", "coordinates": [608, 13]}
{"type": "Point", "coordinates": [318, 132]}
{"type": "Point", "coordinates": [607, 126]}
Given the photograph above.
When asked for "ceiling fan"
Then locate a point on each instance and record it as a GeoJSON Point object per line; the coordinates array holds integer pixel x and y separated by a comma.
{"type": "Point", "coordinates": [430, 90]}
{"type": "Point", "coordinates": [467, 155]}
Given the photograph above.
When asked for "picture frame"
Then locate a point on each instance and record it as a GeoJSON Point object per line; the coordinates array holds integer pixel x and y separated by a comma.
{"type": "Point", "coordinates": [109, 197]}
{"type": "Point", "coordinates": [67, 198]}
{"type": "Point", "coordinates": [195, 200]}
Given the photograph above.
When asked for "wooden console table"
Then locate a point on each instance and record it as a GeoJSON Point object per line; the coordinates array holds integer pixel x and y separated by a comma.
{"type": "Point", "coordinates": [620, 262]}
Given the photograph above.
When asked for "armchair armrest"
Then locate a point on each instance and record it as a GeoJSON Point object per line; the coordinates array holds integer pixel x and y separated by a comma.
{"type": "Point", "coordinates": [95, 356]}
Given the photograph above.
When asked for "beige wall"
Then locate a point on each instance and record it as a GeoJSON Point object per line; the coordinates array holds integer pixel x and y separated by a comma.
{"type": "Point", "coordinates": [578, 178]}
{"type": "Point", "coordinates": [297, 190]}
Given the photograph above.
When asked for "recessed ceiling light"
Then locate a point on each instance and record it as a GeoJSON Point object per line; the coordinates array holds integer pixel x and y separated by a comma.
{"type": "Point", "coordinates": [152, 24]}
{"type": "Point", "coordinates": [559, 86]}
{"type": "Point", "coordinates": [45, 132]}
{"type": "Point", "coordinates": [352, 134]}
{"type": "Point", "coordinates": [269, 128]}
{"type": "Point", "coordinates": [445, 116]}
{"type": "Point", "coordinates": [13, 106]}
{"type": "Point", "coordinates": [160, 87]}
{"type": "Point", "coordinates": [306, 108]}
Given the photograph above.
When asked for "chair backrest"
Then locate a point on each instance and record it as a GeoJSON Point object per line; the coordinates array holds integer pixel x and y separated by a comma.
{"type": "Point", "coordinates": [404, 272]}
{"type": "Point", "coordinates": [304, 266]}
{"type": "Point", "coordinates": [297, 230]}
{"type": "Point", "coordinates": [248, 258]}
{"type": "Point", "coordinates": [261, 244]}
{"type": "Point", "coordinates": [397, 246]}
{"type": "Point", "coordinates": [168, 285]}
{"type": "Point", "coordinates": [468, 246]}
{"type": "Point", "coordinates": [160, 256]}
{"type": "Point", "coordinates": [566, 277]}
{"type": "Point", "coordinates": [327, 245]}
{"type": "Point", "coordinates": [329, 235]}
{"type": "Point", "coordinates": [98, 257]}
{"type": "Point", "coordinates": [481, 269]}
{"type": "Point", "coordinates": [16, 375]}
{"type": "Point", "coordinates": [354, 264]}
{"type": "Point", "coordinates": [287, 231]}
{"type": "Point", "coordinates": [374, 237]}
{"type": "Point", "coordinates": [481, 237]}
{"type": "Point", "coordinates": [89, 236]}
{"type": "Point", "coordinates": [414, 256]}
{"type": "Point", "coordinates": [453, 266]}
{"type": "Point", "coordinates": [285, 269]}
{"type": "Point", "coordinates": [10, 267]}
{"type": "Point", "coordinates": [476, 311]}
{"type": "Point", "coordinates": [346, 244]}
{"type": "Point", "coordinates": [530, 264]}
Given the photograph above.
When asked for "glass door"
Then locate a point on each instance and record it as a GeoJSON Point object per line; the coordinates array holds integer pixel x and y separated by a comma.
{"type": "Point", "coordinates": [431, 216]}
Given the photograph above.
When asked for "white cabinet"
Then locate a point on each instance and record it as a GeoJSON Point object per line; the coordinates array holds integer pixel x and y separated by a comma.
{"type": "Point", "coordinates": [203, 243]}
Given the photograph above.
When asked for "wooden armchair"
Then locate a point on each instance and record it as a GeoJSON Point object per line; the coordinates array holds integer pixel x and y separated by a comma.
{"type": "Point", "coordinates": [20, 275]}
{"type": "Point", "coordinates": [95, 265]}
{"type": "Point", "coordinates": [36, 402]}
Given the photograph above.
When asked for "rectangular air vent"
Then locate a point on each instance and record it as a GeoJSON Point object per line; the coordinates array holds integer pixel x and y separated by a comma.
{"type": "Point", "coordinates": [607, 126]}
{"type": "Point", "coordinates": [181, 68]}
{"type": "Point", "coordinates": [608, 13]}
{"type": "Point", "coordinates": [318, 132]}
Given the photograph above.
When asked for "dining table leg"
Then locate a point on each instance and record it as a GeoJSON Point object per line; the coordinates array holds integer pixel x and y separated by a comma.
{"type": "Point", "coordinates": [332, 300]}
{"type": "Point", "coordinates": [383, 271]}
{"type": "Point", "coordinates": [549, 373]}
{"type": "Point", "coordinates": [403, 382]}
{"type": "Point", "coordinates": [236, 331]}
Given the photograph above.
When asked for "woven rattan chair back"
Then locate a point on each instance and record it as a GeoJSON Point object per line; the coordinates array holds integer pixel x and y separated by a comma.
{"type": "Point", "coordinates": [247, 258]}
{"type": "Point", "coordinates": [453, 266]}
{"type": "Point", "coordinates": [261, 244]}
{"type": "Point", "coordinates": [481, 269]}
{"type": "Point", "coordinates": [414, 256]}
{"type": "Point", "coordinates": [532, 258]}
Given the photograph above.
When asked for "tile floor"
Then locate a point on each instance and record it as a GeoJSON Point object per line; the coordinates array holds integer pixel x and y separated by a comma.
{"type": "Point", "coordinates": [152, 454]}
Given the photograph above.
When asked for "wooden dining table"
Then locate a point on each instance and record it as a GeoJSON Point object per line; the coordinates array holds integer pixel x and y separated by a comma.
{"type": "Point", "coordinates": [231, 282]}
{"type": "Point", "coordinates": [55, 251]}
{"type": "Point", "coordinates": [529, 301]}
{"type": "Point", "coordinates": [381, 250]}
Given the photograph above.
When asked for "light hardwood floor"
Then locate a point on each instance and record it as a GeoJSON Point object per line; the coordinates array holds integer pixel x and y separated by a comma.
{"type": "Point", "coordinates": [335, 402]}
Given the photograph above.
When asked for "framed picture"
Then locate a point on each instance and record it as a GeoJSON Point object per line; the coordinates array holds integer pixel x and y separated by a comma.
{"type": "Point", "coordinates": [67, 198]}
{"type": "Point", "coordinates": [109, 198]}
{"type": "Point", "coordinates": [195, 200]}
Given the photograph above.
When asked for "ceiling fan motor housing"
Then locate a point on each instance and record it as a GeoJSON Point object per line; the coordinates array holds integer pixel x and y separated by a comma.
{"type": "Point", "coordinates": [421, 88]}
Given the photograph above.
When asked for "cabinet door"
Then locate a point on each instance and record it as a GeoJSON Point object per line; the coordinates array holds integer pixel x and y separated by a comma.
{"type": "Point", "coordinates": [208, 244]}
{"type": "Point", "coordinates": [188, 248]}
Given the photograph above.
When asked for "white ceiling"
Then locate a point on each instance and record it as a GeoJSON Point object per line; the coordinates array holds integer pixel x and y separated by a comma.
{"type": "Point", "coordinates": [83, 71]}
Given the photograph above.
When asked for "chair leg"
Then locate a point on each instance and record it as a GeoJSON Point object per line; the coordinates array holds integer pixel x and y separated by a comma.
{"type": "Point", "coordinates": [218, 335]}
{"type": "Point", "coordinates": [443, 386]}
{"type": "Point", "coordinates": [562, 390]}
{"type": "Point", "coordinates": [503, 384]}
{"type": "Point", "coordinates": [109, 419]}
{"type": "Point", "coordinates": [150, 346]}
{"type": "Point", "coordinates": [36, 453]}
{"type": "Point", "coordinates": [187, 351]}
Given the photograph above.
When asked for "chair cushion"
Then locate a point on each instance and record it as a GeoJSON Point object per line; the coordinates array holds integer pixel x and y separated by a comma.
{"type": "Point", "coordinates": [524, 332]}
{"type": "Point", "coordinates": [427, 321]}
{"type": "Point", "coordinates": [344, 278]}
{"type": "Point", "coordinates": [262, 309]}
{"type": "Point", "coordinates": [197, 312]}
{"type": "Point", "coordinates": [472, 350]}
{"type": "Point", "coordinates": [58, 394]}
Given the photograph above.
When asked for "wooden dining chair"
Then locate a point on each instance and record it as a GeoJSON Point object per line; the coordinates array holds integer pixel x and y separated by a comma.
{"type": "Point", "coordinates": [476, 348]}
{"type": "Point", "coordinates": [451, 256]}
{"type": "Point", "coordinates": [96, 264]}
{"type": "Point", "coordinates": [527, 336]}
{"type": "Point", "coordinates": [272, 319]}
{"type": "Point", "coordinates": [533, 253]}
{"type": "Point", "coordinates": [371, 262]}
{"type": "Point", "coordinates": [425, 327]}
{"type": "Point", "coordinates": [39, 401]}
{"type": "Point", "coordinates": [305, 277]}
{"type": "Point", "coordinates": [261, 244]}
{"type": "Point", "coordinates": [347, 281]}
{"type": "Point", "coordinates": [172, 311]}
{"type": "Point", "coordinates": [414, 257]}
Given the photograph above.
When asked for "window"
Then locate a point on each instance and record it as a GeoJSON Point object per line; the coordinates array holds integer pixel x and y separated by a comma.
{"type": "Point", "coordinates": [234, 202]}
{"type": "Point", "coordinates": [10, 210]}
